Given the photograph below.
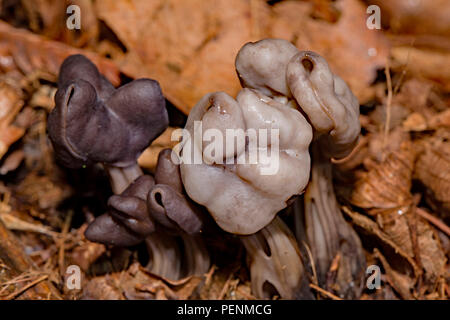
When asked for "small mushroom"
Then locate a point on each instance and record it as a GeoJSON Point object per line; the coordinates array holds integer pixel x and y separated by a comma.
{"type": "Point", "coordinates": [167, 202]}
{"type": "Point", "coordinates": [127, 222]}
{"type": "Point", "coordinates": [93, 122]}
{"type": "Point", "coordinates": [333, 111]}
{"type": "Point", "coordinates": [239, 197]}
{"type": "Point", "coordinates": [262, 66]}
{"type": "Point", "coordinates": [168, 205]}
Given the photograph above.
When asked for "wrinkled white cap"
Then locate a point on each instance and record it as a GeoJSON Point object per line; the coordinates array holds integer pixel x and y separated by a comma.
{"type": "Point", "coordinates": [238, 196]}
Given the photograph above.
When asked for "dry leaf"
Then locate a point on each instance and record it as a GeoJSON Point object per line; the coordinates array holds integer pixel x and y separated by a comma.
{"type": "Point", "coordinates": [33, 53]}
{"type": "Point", "coordinates": [430, 64]}
{"type": "Point", "coordinates": [194, 56]}
{"type": "Point", "coordinates": [149, 157]}
{"type": "Point", "coordinates": [387, 185]}
{"type": "Point", "coordinates": [10, 105]}
{"type": "Point", "coordinates": [400, 282]}
{"type": "Point", "coordinates": [188, 45]}
{"type": "Point", "coordinates": [416, 17]}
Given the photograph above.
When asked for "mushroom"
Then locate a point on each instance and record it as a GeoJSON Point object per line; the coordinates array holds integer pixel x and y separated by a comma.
{"type": "Point", "coordinates": [167, 202]}
{"type": "Point", "coordinates": [282, 86]}
{"type": "Point", "coordinates": [330, 105]}
{"type": "Point", "coordinates": [333, 111]}
{"type": "Point", "coordinates": [93, 122]}
{"type": "Point", "coordinates": [276, 266]}
{"type": "Point", "coordinates": [127, 221]}
{"type": "Point", "coordinates": [319, 222]}
{"type": "Point", "coordinates": [183, 221]}
{"type": "Point", "coordinates": [239, 197]}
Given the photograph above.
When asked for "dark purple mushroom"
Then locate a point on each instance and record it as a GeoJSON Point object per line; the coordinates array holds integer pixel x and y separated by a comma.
{"type": "Point", "coordinates": [93, 122]}
{"type": "Point", "coordinates": [167, 202]}
{"type": "Point", "coordinates": [127, 222]}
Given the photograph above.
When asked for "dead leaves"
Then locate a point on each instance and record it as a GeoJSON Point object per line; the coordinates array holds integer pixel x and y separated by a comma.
{"type": "Point", "coordinates": [10, 105]}
{"type": "Point", "coordinates": [137, 283]}
{"type": "Point", "coordinates": [189, 46]}
{"type": "Point", "coordinates": [432, 169]}
{"type": "Point", "coordinates": [31, 53]}
{"type": "Point", "coordinates": [385, 192]}
{"type": "Point", "coordinates": [387, 185]}
{"type": "Point", "coordinates": [353, 51]}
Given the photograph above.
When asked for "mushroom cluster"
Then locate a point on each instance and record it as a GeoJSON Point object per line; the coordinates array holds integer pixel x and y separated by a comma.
{"type": "Point", "coordinates": [291, 105]}
{"type": "Point", "coordinates": [295, 94]}
{"type": "Point", "coordinates": [93, 122]}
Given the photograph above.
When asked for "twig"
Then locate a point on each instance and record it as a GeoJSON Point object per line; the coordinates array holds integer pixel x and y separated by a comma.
{"type": "Point", "coordinates": [224, 290]}
{"type": "Point", "coordinates": [434, 220]}
{"type": "Point", "coordinates": [62, 241]}
{"type": "Point", "coordinates": [25, 288]}
{"type": "Point", "coordinates": [313, 265]}
{"type": "Point", "coordinates": [324, 292]}
{"type": "Point", "coordinates": [14, 223]}
{"type": "Point", "coordinates": [209, 275]}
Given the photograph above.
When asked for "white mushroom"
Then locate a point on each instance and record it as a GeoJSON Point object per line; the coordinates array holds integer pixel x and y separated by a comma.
{"type": "Point", "coordinates": [240, 198]}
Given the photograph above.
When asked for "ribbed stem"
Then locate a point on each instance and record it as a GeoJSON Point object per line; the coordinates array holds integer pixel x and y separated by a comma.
{"type": "Point", "coordinates": [275, 263]}
{"type": "Point", "coordinates": [328, 234]}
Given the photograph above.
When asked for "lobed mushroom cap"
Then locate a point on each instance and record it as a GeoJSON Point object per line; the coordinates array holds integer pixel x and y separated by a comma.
{"type": "Point", "coordinates": [237, 195]}
{"type": "Point", "coordinates": [127, 222]}
{"type": "Point", "coordinates": [262, 65]}
{"type": "Point", "coordinates": [93, 122]}
{"type": "Point", "coordinates": [167, 203]}
{"type": "Point", "coordinates": [330, 105]}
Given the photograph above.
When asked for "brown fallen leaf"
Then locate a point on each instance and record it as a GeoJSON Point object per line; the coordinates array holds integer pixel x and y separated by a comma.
{"type": "Point", "coordinates": [30, 53]}
{"type": "Point", "coordinates": [387, 185]}
{"type": "Point", "coordinates": [415, 122]}
{"type": "Point", "coordinates": [372, 227]}
{"type": "Point", "coordinates": [417, 238]}
{"type": "Point", "coordinates": [432, 169]}
{"type": "Point", "coordinates": [416, 17]}
{"type": "Point", "coordinates": [353, 51]}
{"type": "Point", "coordinates": [400, 282]}
{"type": "Point", "coordinates": [10, 105]}
{"type": "Point", "coordinates": [430, 64]}
{"type": "Point", "coordinates": [189, 46]}
{"type": "Point", "coordinates": [194, 56]}
{"type": "Point", "coordinates": [385, 192]}
{"type": "Point", "coordinates": [149, 157]}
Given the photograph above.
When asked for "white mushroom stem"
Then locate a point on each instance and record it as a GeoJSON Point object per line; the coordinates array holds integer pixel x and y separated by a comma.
{"type": "Point", "coordinates": [275, 263]}
{"type": "Point", "coordinates": [328, 234]}
{"type": "Point", "coordinates": [244, 196]}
